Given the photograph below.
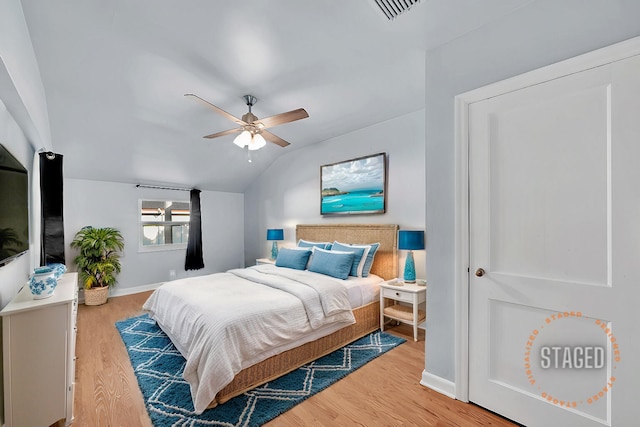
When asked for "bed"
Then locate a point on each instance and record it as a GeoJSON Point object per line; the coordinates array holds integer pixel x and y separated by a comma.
{"type": "Point", "coordinates": [213, 371]}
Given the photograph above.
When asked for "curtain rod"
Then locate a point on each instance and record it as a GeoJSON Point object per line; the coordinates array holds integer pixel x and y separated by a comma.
{"type": "Point", "coordinates": [162, 188]}
{"type": "Point", "coordinates": [48, 153]}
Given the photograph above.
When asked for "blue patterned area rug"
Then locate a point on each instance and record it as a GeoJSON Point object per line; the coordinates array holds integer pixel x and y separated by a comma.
{"type": "Point", "coordinates": [159, 366]}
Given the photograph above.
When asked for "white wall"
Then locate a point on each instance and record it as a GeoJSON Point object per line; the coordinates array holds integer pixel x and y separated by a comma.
{"type": "Point", "coordinates": [21, 87]}
{"type": "Point", "coordinates": [109, 204]}
{"type": "Point", "coordinates": [288, 193]}
{"type": "Point", "coordinates": [541, 33]}
{"type": "Point", "coordinates": [20, 91]}
{"type": "Point", "coordinates": [15, 274]}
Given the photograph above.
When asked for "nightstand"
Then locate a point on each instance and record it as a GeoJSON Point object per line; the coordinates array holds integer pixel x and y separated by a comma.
{"type": "Point", "coordinates": [265, 261]}
{"type": "Point", "coordinates": [410, 293]}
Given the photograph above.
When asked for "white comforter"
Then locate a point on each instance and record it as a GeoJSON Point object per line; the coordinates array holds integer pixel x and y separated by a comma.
{"type": "Point", "coordinates": [225, 322]}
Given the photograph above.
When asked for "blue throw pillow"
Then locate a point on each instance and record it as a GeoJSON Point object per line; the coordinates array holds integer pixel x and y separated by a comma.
{"type": "Point", "coordinates": [359, 252]}
{"type": "Point", "coordinates": [331, 263]}
{"type": "Point", "coordinates": [292, 258]}
{"type": "Point", "coordinates": [373, 248]}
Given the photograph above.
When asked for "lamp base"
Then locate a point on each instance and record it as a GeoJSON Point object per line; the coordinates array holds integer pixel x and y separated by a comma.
{"type": "Point", "coordinates": [410, 269]}
{"type": "Point", "coordinates": [274, 250]}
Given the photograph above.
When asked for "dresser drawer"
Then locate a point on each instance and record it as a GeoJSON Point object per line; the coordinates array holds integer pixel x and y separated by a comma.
{"type": "Point", "coordinates": [397, 294]}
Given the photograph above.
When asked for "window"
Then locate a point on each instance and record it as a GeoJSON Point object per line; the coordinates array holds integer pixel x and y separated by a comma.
{"type": "Point", "coordinates": [164, 225]}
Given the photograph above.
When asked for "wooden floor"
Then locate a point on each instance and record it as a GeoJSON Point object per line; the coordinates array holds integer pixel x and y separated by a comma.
{"type": "Point", "coordinates": [384, 392]}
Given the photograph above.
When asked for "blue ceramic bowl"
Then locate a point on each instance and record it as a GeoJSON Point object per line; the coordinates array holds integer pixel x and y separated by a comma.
{"type": "Point", "coordinates": [42, 282]}
{"type": "Point", "coordinates": [58, 269]}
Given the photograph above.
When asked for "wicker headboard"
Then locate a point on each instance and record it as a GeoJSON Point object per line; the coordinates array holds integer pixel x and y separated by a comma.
{"type": "Point", "coordinates": [385, 263]}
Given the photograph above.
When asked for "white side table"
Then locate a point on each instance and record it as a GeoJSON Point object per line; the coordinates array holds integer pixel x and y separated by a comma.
{"type": "Point", "coordinates": [413, 294]}
{"type": "Point", "coordinates": [265, 261]}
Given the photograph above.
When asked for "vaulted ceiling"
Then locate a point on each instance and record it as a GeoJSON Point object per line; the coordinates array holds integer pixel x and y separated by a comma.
{"type": "Point", "coordinates": [115, 73]}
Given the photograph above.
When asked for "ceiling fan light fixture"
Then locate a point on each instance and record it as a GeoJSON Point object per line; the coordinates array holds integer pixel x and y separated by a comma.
{"type": "Point", "coordinates": [257, 142]}
{"type": "Point", "coordinates": [243, 139]}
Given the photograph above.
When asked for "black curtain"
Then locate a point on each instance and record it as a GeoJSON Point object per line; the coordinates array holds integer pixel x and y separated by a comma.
{"type": "Point", "coordinates": [194, 245]}
{"type": "Point", "coordinates": [52, 246]}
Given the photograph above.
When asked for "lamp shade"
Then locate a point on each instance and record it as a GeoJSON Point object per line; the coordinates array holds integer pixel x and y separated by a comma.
{"type": "Point", "coordinates": [243, 139]}
{"type": "Point", "coordinates": [257, 142]}
{"type": "Point", "coordinates": [275, 234]}
{"type": "Point", "coordinates": [411, 240]}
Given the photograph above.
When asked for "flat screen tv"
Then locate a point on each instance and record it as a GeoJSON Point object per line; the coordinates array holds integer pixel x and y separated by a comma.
{"type": "Point", "coordinates": [354, 186]}
{"type": "Point", "coordinates": [14, 207]}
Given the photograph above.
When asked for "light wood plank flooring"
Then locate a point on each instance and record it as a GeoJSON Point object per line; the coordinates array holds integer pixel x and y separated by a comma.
{"type": "Point", "coordinates": [385, 392]}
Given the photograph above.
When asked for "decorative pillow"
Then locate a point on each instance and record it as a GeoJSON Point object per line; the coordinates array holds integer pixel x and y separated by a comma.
{"type": "Point", "coordinates": [332, 263]}
{"type": "Point", "coordinates": [302, 248]}
{"type": "Point", "coordinates": [360, 253]}
{"type": "Point", "coordinates": [293, 258]}
{"type": "Point", "coordinates": [373, 248]}
{"type": "Point", "coordinates": [308, 244]}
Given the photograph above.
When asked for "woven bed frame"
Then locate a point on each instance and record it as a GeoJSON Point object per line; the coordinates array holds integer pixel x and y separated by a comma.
{"type": "Point", "coordinates": [367, 317]}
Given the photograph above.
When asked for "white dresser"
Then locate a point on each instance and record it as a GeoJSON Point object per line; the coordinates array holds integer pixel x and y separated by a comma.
{"type": "Point", "coordinates": [39, 339]}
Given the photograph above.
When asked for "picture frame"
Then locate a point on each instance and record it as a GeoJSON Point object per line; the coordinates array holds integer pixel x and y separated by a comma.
{"type": "Point", "coordinates": [354, 186]}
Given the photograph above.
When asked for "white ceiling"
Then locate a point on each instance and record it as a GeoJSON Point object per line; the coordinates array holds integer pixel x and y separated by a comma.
{"type": "Point", "coordinates": [115, 72]}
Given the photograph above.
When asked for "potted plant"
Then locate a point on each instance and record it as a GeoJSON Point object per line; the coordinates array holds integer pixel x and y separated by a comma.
{"type": "Point", "coordinates": [98, 261]}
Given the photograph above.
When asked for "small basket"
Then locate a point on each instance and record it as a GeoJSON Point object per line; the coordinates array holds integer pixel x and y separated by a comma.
{"type": "Point", "coordinates": [96, 296]}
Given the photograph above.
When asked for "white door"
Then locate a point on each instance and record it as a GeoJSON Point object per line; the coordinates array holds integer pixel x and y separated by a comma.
{"type": "Point", "coordinates": [554, 223]}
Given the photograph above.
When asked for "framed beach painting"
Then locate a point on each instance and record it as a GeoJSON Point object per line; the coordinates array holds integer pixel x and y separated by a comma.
{"type": "Point", "coordinates": [355, 186]}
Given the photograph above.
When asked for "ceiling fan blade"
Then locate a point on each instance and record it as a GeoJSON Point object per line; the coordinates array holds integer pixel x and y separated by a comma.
{"type": "Point", "coordinates": [223, 133]}
{"type": "Point", "coordinates": [279, 119]}
{"type": "Point", "coordinates": [274, 138]}
{"type": "Point", "coordinates": [217, 109]}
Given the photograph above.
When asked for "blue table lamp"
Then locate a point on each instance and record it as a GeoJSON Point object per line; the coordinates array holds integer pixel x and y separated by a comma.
{"type": "Point", "coordinates": [275, 234]}
{"type": "Point", "coordinates": [410, 240]}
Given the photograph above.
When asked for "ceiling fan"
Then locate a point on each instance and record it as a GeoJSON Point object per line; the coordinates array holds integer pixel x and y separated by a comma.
{"type": "Point", "coordinates": [253, 131]}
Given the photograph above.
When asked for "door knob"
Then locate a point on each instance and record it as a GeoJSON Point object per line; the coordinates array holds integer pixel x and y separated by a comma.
{"type": "Point", "coordinates": [480, 272]}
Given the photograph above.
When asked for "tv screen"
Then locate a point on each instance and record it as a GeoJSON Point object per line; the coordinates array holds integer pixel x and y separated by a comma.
{"type": "Point", "coordinates": [14, 210]}
{"type": "Point", "coordinates": [355, 186]}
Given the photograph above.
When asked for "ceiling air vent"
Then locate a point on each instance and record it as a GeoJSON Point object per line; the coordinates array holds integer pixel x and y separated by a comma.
{"type": "Point", "coordinates": [394, 8]}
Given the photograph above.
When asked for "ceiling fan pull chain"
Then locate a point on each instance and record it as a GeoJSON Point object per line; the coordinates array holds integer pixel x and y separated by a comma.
{"type": "Point", "coordinates": [246, 147]}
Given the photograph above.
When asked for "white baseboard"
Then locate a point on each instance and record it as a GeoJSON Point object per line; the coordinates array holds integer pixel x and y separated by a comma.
{"type": "Point", "coordinates": [127, 291]}
{"type": "Point", "coordinates": [439, 384]}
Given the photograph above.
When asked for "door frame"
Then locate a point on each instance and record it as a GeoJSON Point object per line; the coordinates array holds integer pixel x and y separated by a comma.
{"type": "Point", "coordinates": [596, 58]}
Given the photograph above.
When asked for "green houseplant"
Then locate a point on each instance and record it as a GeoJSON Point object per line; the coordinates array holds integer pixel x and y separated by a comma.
{"type": "Point", "coordinates": [98, 261]}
